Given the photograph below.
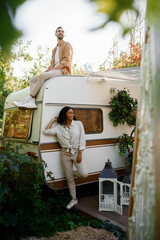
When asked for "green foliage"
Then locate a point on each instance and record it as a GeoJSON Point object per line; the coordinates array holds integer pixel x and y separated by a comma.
{"type": "Point", "coordinates": [78, 70]}
{"type": "Point", "coordinates": [19, 54]}
{"type": "Point", "coordinates": [123, 108]}
{"type": "Point", "coordinates": [113, 11]}
{"type": "Point", "coordinates": [132, 53]}
{"type": "Point", "coordinates": [152, 10]}
{"type": "Point", "coordinates": [114, 229]}
{"type": "Point", "coordinates": [124, 112]}
{"type": "Point", "coordinates": [9, 32]}
{"type": "Point", "coordinates": [133, 59]}
{"type": "Point", "coordinates": [5, 74]}
{"type": "Point", "coordinates": [22, 209]}
{"type": "Point", "coordinates": [126, 145]}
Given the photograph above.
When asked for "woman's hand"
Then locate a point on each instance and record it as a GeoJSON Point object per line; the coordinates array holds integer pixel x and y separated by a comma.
{"type": "Point", "coordinates": [55, 119]}
{"type": "Point", "coordinates": [79, 157]}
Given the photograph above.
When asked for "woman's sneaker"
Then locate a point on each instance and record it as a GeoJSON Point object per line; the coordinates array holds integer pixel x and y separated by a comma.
{"type": "Point", "coordinates": [72, 203]}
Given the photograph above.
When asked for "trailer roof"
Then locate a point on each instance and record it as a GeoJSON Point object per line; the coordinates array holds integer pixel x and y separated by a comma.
{"type": "Point", "coordinates": [129, 74]}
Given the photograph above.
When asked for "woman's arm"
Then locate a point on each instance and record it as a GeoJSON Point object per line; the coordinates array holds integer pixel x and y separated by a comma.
{"type": "Point", "coordinates": [51, 131]}
{"type": "Point", "coordinates": [51, 123]}
{"type": "Point", "coordinates": [82, 143]}
{"type": "Point", "coordinates": [79, 157]}
{"type": "Point", "coordinates": [82, 139]}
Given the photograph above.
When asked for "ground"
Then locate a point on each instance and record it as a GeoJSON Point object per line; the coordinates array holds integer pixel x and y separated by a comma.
{"type": "Point", "coordinates": [81, 233]}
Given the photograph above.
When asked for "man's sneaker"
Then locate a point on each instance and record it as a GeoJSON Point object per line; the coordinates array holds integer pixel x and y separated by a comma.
{"type": "Point", "coordinates": [72, 203]}
{"type": "Point", "coordinates": [26, 103]}
{"type": "Point", "coordinates": [22, 101]}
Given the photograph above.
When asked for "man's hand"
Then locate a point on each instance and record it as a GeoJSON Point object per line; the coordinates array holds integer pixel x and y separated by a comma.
{"type": "Point", "coordinates": [51, 69]}
{"type": "Point", "coordinates": [79, 157]}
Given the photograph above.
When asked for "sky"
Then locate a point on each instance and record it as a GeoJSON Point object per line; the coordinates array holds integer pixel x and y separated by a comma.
{"type": "Point", "coordinates": [39, 18]}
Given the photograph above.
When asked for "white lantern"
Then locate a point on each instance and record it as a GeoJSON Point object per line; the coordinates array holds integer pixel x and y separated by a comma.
{"type": "Point", "coordinates": [109, 200]}
{"type": "Point", "coordinates": [126, 186]}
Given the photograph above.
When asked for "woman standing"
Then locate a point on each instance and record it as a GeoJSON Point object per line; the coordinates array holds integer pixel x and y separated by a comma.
{"type": "Point", "coordinates": [71, 136]}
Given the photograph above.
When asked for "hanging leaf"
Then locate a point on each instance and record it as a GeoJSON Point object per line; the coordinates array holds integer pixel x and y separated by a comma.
{"type": "Point", "coordinates": [9, 33]}
{"type": "Point", "coordinates": [113, 9]}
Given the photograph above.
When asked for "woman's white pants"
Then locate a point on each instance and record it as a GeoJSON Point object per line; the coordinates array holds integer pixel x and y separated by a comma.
{"type": "Point", "coordinates": [68, 160]}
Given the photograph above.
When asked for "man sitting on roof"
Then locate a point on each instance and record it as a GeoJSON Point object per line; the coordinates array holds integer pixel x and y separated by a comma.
{"type": "Point", "coordinates": [60, 64]}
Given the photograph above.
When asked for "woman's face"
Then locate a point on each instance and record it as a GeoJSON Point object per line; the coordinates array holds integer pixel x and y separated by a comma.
{"type": "Point", "coordinates": [70, 114]}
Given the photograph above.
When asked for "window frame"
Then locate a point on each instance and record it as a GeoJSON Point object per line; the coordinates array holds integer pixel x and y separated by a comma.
{"type": "Point", "coordinates": [29, 128]}
{"type": "Point", "coordinates": [92, 108]}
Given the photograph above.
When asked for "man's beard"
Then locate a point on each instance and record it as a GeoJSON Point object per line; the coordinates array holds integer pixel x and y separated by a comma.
{"type": "Point", "coordinates": [60, 38]}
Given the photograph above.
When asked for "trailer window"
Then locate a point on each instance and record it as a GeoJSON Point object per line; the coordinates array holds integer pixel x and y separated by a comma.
{"type": "Point", "coordinates": [17, 123]}
{"type": "Point", "coordinates": [91, 119]}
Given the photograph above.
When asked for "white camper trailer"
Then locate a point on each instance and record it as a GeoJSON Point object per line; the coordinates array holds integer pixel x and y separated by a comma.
{"type": "Point", "coordinates": [90, 97]}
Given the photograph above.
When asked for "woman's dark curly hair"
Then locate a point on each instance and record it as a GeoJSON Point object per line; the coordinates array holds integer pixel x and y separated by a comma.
{"type": "Point", "coordinates": [62, 115]}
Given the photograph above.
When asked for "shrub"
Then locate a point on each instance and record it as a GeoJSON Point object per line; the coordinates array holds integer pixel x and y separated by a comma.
{"type": "Point", "coordinates": [123, 108]}
{"type": "Point", "coordinates": [22, 209]}
{"type": "Point", "coordinates": [124, 111]}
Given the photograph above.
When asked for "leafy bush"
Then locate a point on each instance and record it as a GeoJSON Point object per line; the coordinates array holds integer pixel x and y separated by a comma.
{"type": "Point", "coordinates": [133, 59]}
{"type": "Point", "coordinates": [123, 108]}
{"type": "Point", "coordinates": [126, 145]}
{"type": "Point", "coordinates": [19, 53]}
{"type": "Point", "coordinates": [124, 111]}
{"type": "Point", "coordinates": [22, 209]}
